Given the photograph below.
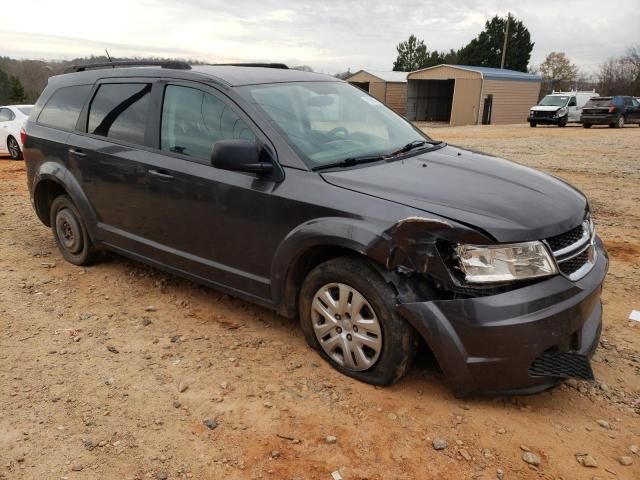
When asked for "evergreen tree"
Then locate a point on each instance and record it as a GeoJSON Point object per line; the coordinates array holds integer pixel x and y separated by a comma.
{"type": "Point", "coordinates": [16, 92]}
{"type": "Point", "coordinates": [486, 49]}
{"type": "Point", "coordinates": [4, 87]}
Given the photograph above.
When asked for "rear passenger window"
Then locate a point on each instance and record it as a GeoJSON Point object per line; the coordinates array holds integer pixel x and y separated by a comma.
{"type": "Point", "coordinates": [193, 120]}
{"type": "Point", "coordinates": [119, 111]}
{"type": "Point", "coordinates": [63, 108]}
{"type": "Point", "coordinates": [5, 115]}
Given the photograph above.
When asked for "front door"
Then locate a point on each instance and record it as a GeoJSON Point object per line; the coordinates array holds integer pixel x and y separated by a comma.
{"type": "Point", "coordinates": [573, 112]}
{"type": "Point", "coordinates": [215, 224]}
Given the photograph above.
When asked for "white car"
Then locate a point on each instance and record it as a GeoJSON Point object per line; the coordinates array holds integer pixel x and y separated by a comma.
{"type": "Point", "coordinates": [12, 119]}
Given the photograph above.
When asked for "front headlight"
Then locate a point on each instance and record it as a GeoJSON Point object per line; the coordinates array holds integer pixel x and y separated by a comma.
{"type": "Point", "coordinates": [531, 112]}
{"type": "Point", "coordinates": [560, 112]}
{"type": "Point", "coordinates": [502, 263]}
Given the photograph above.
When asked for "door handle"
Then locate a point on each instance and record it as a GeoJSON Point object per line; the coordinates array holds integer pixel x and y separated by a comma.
{"type": "Point", "coordinates": [77, 153]}
{"type": "Point", "coordinates": [161, 174]}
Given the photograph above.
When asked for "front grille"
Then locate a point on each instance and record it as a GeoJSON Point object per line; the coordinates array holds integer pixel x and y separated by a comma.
{"type": "Point", "coordinates": [574, 250]}
{"type": "Point", "coordinates": [561, 365]}
{"type": "Point", "coordinates": [539, 114]}
{"type": "Point", "coordinates": [571, 266]}
{"type": "Point", "coordinates": [566, 239]}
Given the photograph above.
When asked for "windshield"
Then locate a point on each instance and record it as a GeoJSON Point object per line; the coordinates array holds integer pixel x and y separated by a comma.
{"type": "Point", "coordinates": [554, 101]}
{"type": "Point", "coordinates": [326, 122]}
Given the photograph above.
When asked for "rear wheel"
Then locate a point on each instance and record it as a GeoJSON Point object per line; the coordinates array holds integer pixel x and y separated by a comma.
{"type": "Point", "coordinates": [70, 232]}
{"type": "Point", "coordinates": [347, 313]}
{"type": "Point", "coordinates": [620, 122]}
{"type": "Point", "coordinates": [14, 148]}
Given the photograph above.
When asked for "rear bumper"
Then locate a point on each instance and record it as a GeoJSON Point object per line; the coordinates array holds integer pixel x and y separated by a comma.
{"type": "Point", "coordinates": [487, 344]}
{"type": "Point", "coordinates": [599, 119]}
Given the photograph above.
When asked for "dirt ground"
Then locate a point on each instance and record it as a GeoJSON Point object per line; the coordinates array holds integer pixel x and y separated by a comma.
{"type": "Point", "coordinates": [119, 371]}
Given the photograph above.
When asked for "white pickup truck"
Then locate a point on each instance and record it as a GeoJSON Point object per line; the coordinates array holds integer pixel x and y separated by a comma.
{"type": "Point", "coordinates": [559, 108]}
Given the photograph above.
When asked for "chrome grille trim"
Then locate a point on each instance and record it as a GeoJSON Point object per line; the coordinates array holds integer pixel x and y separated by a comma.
{"type": "Point", "coordinates": [586, 243]}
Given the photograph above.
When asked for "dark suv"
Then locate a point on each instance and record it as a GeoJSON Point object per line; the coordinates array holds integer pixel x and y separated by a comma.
{"type": "Point", "coordinates": [301, 193]}
{"type": "Point", "coordinates": [612, 111]}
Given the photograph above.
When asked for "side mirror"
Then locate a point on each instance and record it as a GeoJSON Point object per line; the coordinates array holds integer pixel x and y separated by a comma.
{"type": "Point", "coordinates": [239, 156]}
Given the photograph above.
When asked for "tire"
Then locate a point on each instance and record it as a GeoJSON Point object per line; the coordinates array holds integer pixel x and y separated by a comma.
{"type": "Point", "coordinates": [14, 148]}
{"type": "Point", "coordinates": [70, 232]}
{"type": "Point", "coordinates": [533, 124]}
{"type": "Point", "coordinates": [563, 122]}
{"type": "Point", "coordinates": [382, 343]}
{"type": "Point", "coordinates": [619, 122]}
{"type": "Point", "coordinates": [586, 125]}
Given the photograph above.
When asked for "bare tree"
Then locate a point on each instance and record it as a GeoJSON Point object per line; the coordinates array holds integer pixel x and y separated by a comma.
{"type": "Point", "coordinates": [621, 76]}
{"type": "Point", "coordinates": [558, 72]}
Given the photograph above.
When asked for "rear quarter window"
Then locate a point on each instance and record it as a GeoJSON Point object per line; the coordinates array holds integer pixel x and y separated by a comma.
{"type": "Point", "coordinates": [63, 107]}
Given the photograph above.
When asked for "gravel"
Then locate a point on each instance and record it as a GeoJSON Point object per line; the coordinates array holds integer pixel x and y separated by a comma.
{"type": "Point", "coordinates": [439, 444]}
{"type": "Point", "coordinates": [531, 458]}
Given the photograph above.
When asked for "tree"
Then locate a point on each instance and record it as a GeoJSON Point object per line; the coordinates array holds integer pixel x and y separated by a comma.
{"type": "Point", "coordinates": [413, 55]}
{"type": "Point", "coordinates": [16, 92]}
{"type": "Point", "coordinates": [621, 76]}
{"type": "Point", "coordinates": [4, 87]}
{"type": "Point", "coordinates": [486, 49]}
{"type": "Point", "coordinates": [558, 73]}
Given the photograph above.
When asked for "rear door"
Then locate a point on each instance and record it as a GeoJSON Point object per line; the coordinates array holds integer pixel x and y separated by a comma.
{"type": "Point", "coordinates": [6, 116]}
{"type": "Point", "coordinates": [636, 109]}
{"type": "Point", "coordinates": [631, 111]}
{"type": "Point", "coordinates": [109, 157]}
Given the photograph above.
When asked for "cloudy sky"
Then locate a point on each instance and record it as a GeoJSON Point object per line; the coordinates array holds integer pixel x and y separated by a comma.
{"type": "Point", "coordinates": [330, 35]}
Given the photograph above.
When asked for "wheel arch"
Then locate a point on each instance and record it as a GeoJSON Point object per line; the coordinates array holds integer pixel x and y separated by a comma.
{"type": "Point", "coordinates": [52, 181]}
{"type": "Point", "coordinates": [309, 245]}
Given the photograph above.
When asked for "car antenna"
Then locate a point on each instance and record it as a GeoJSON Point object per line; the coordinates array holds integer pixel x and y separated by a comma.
{"type": "Point", "coordinates": [108, 56]}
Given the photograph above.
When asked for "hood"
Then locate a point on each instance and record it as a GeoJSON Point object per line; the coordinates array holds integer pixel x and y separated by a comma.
{"type": "Point", "coordinates": [510, 202]}
{"type": "Point", "coordinates": [545, 108]}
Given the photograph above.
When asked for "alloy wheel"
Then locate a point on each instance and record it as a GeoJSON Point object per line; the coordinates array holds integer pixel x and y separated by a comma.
{"type": "Point", "coordinates": [346, 326]}
{"type": "Point", "coordinates": [14, 148]}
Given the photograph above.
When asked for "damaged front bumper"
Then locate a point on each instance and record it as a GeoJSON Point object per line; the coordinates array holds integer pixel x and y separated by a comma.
{"type": "Point", "coordinates": [488, 344]}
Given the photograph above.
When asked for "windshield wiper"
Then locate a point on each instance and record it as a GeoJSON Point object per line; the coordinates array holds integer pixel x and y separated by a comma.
{"type": "Point", "coordinates": [348, 162]}
{"type": "Point", "coordinates": [413, 145]}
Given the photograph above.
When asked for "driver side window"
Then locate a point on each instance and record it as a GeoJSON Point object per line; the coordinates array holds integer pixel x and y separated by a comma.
{"type": "Point", "coordinates": [572, 102]}
{"type": "Point", "coordinates": [193, 121]}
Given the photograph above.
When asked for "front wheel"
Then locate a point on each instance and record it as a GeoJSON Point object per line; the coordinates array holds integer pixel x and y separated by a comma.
{"type": "Point", "coordinates": [14, 148]}
{"type": "Point", "coordinates": [586, 125]}
{"type": "Point", "coordinates": [70, 233]}
{"type": "Point", "coordinates": [533, 124]}
{"type": "Point", "coordinates": [347, 313]}
{"type": "Point", "coordinates": [563, 122]}
{"type": "Point", "coordinates": [620, 122]}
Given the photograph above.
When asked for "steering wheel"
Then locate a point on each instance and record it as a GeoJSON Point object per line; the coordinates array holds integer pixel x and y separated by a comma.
{"type": "Point", "coordinates": [338, 130]}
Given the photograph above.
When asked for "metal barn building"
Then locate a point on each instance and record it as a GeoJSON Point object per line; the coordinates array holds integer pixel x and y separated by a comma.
{"type": "Point", "coordinates": [388, 87]}
{"type": "Point", "coordinates": [464, 95]}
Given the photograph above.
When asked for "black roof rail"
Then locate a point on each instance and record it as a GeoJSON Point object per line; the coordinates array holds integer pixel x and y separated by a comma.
{"type": "Point", "coordinates": [281, 66]}
{"type": "Point", "coordinates": [174, 64]}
